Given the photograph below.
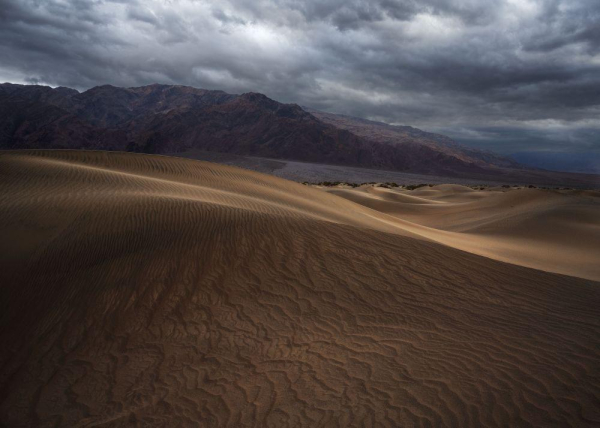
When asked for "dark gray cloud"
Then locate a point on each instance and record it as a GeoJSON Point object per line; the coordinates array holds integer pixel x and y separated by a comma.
{"type": "Point", "coordinates": [500, 74]}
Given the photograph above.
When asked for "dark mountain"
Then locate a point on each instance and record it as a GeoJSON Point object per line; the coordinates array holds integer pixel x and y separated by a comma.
{"type": "Point", "coordinates": [586, 162]}
{"type": "Point", "coordinates": [26, 124]}
{"type": "Point", "coordinates": [171, 119]}
{"type": "Point", "coordinates": [407, 137]}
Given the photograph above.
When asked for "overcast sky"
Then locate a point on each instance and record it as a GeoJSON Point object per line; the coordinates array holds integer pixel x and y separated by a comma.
{"type": "Point", "coordinates": [508, 75]}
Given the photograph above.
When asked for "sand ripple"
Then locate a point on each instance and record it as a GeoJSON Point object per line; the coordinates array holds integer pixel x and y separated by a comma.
{"type": "Point", "coordinates": [147, 290]}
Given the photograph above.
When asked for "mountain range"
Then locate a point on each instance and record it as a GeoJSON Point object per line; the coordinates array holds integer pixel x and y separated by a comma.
{"type": "Point", "coordinates": [164, 119]}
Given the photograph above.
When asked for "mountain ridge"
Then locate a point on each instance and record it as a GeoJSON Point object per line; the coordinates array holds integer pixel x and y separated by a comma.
{"type": "Point", "coordinates": [165, 119]}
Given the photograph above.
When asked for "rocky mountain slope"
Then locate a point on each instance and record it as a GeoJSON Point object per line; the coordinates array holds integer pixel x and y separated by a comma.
{"type": "Point", "coordinates": [166, 119]}
{"type": "Point", "coordinates": [409, 137]}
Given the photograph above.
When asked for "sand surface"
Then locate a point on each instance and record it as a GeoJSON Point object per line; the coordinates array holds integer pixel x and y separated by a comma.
{"type": "Point", "coordinates": [552, 230]}
{"type": "Point", "coordinates": [156, 291]}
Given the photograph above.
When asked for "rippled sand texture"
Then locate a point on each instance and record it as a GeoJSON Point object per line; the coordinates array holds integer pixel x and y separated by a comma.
{"type": "Point", "coordinates": [555, 231]}
{"type": "Point", "coordinates": [157, 291]}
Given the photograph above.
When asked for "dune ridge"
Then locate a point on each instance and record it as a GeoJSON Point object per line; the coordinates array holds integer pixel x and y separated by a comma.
{"type": "Point", "coordinates": [150, 290]}
{"type": "Point", "coordinates": [550, 230]}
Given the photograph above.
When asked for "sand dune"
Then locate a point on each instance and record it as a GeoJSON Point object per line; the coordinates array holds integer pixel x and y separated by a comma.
{"type": "Point", "coordinates": [148, 290]}
{"type": "Point", "coordinates": [555, 231]}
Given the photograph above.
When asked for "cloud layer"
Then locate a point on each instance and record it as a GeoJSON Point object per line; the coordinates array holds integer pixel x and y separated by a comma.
{"type": "Point", "coordinates": [501, 74]}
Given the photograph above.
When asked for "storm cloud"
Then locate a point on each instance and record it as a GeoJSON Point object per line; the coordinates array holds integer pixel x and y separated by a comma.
{"type": "Point", "coordinates": [498, 74]}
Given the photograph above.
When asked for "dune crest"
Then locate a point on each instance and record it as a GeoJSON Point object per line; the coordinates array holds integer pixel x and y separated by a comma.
{"type": "Point", "coordinates": [150, 290]}
{"type": "Point", "coordinates": [550, 230]}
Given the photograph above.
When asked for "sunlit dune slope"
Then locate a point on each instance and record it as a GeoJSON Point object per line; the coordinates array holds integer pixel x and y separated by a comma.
{"type": "Point", "coordinates": [147, 290]}
{"type": "Point", "coordinates": [555, 231]}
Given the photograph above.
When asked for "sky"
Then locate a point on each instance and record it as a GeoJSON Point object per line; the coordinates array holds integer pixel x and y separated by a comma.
{"type": "Point", "coordinates": [504, 75]}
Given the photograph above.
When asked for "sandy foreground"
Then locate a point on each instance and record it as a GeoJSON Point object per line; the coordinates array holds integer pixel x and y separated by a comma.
{"type": "Point", "coordinates": [157, 291]}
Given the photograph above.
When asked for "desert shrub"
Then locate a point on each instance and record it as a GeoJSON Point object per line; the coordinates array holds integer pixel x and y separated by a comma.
{"type": "Point", "coordinates": [416, 186]}
{"type": "Point", "coordinates": [334, 183]}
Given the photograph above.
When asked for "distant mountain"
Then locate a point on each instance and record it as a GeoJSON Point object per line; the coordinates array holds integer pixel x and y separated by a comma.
{"type": "Point", "coordinates": [27, 122]}
{"type": "Point", "coordinates": [407, 137]}
{"type": "Point", "coordinates": [172, 119]}
{"type": "Point", "coordinates": [588, 163]}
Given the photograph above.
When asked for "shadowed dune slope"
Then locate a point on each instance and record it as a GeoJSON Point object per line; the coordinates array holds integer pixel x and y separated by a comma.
{"type": "Point", "coordinates": [159, 291]}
